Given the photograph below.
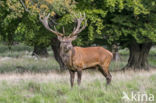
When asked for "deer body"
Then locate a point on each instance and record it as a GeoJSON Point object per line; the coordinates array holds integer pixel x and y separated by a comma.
{"type": "Point", "coordinates": [82, 58]}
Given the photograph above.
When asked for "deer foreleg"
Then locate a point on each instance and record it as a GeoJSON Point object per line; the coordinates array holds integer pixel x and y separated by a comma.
{"type": "Point", "coordinates": [72, 76]}
{"type": "Point", "coordinates": [79, 75]}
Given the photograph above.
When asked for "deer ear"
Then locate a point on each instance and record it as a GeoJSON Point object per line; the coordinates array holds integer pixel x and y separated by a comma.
{"type": "Point", "coordinates": [59, 38]}
{"type": "Point", "coordinates": [73, 38]}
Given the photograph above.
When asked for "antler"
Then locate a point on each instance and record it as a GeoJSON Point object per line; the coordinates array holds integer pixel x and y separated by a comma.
{"type": "Point", "coordinates": [78, 29]}
{"type": "Point", "coordinates": [46, 25]}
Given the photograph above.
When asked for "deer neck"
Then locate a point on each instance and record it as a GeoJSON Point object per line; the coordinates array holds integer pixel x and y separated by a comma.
{"type": "Point", "coordinates": [67, 56]}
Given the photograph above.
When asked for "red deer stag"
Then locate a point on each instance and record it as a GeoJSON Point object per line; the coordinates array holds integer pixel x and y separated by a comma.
{"type": "Point", "coordinates": [78, 58]}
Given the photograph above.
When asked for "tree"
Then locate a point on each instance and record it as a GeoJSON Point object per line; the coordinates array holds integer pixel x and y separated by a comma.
{"type": "Point", "coordinates": [134, 29]}
{"type": "Point", "coordinates": [57, 10]}
{"type": "Point", "coordinates": [131, 23]}
{"type": "Point", "coordinates": [34, 35]}
{"type": "Point", "coordinates": [22, 24]}
{"type": "Point", "coordinates": [10, 17]}
{"type": "Point", "coordinates": [55, 45]}
{"type": "Point", "coordinates": [15, 26]}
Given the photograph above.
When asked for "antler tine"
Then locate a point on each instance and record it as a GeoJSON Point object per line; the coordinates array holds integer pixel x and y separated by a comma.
{"type": "Point", "coordinates": [47, 17]}
{"type": "Point", "coordinates": [84, 15]}
{"type": "Point", "coordinates": [78, 29]}
{"type": "Point", "coordinates": [80, 15]}
{"type": "Point", "coordinates": [46, 25]}
{"type": "Point", "coordinates": [84, 26]}
{"type": "Point", "coordinates": [55, 28]}
{"type": "Point", "coordinates": [75, 15]}
{"type": "Point", "coordinates": [74, 28]}
{"type": "Point", "coordinates": [63, 30]}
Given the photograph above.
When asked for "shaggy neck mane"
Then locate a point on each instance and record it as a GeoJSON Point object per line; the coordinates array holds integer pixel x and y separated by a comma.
{"type": "Point", "coordinates": [67, 57]}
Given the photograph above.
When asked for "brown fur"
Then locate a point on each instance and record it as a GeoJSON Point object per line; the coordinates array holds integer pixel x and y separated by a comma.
{"type": "Point", "coordinates": [90, 57]}
{"type": "Point", "coordinates": [84, 58]}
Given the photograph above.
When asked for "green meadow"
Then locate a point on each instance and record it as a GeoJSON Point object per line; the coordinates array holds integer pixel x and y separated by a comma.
{"type": "Point", "coordinates": [27, 79]}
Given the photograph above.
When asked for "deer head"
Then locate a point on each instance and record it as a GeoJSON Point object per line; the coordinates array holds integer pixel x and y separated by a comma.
{"type": "Point", "coordinates": [66, 41]}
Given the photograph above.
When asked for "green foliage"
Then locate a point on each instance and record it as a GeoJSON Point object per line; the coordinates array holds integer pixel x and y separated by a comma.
{"type": "Point", "coordinates": [18, 25]}
{"type": "Point", "coordinates": [120, 21]}
{"type": "Point", "coordinates": [11, 12]}
{"type": "Point", "coordinates": [34, 34]}
{"type": "Point", "coordinates": [116, 21]}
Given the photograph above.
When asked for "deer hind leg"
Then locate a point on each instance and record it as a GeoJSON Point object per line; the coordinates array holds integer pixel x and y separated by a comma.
{"type": "Point", "coordinates": [104, 70]}
{"type": "Point", "coordinates": [79, 75]}
{"type": "Point", "coordinates": [72, 76]}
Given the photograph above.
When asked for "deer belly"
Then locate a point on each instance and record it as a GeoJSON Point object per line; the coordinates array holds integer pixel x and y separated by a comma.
{"type": "Point", "coordinates": [83, 65]}
{"type": "Point", "coordinates": [91, 61]}
{"type": "Point", "coordinates": [88, 65]}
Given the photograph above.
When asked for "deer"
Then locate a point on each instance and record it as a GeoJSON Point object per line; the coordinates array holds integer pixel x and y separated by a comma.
{"type": "Point", "coordinates": [77, 58]}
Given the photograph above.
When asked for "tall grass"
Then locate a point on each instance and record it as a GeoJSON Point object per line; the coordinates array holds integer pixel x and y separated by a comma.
{"type": "Point", "coordinates": [26, 64]}
{"type": "Point", "coordinates": [55, 88]}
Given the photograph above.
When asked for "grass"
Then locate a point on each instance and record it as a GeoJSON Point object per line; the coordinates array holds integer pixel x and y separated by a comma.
{"type": "Point", "coordinates": [19, 59]}
{"type": "Point", "coordinates": [17, 47]}
{"type": "Point", "coordinates": [17, 50]}
{"type": "Point", "coordinates": [55, 88]}
{"type": "Point", "coordinates": [27, 79]}
{"type": "Point", "coordinates": [28, 64]}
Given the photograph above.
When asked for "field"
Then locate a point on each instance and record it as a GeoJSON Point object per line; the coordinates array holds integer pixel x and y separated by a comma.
{"type": "Point", "coordinates": [55, 88]}
{"type": "Point", "coordinates": [27, 79]}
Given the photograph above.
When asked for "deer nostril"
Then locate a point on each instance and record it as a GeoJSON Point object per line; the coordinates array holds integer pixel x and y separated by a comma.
{"type": "Point", "coordinates": [68, 48]}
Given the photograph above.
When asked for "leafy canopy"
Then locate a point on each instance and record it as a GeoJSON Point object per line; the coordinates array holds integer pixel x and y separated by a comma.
{"type": "Point", "coordinates": [119, 21]}
{"type": "Point", "coordinates": [23, 25]}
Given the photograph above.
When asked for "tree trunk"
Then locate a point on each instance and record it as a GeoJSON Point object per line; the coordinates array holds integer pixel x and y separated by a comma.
{"type": "Point", "coordinates": [138, 58]}
{"type": "Point", "coordinates": [55, 45]}
{"type": "Point", "coordinates": [40, 51]}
